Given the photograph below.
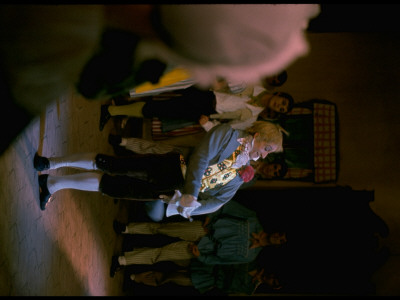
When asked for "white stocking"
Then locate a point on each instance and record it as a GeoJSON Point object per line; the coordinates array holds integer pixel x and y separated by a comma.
{"type": "Point", "coordinates": [84, 161]}
{"type": "Point", "coordinates": [88, 181]}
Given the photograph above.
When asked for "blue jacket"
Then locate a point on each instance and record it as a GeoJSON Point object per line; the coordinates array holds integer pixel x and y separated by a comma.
{"type": "Point", "coordinates": [228, 279]}
{"type": "Point", "coordinates": [217, 145]}
{"type": "Point", "coordinates": [228, 238]}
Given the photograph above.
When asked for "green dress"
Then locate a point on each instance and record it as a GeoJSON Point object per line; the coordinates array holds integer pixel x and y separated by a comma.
{"type": "Point", "coordinates": [226, 279]}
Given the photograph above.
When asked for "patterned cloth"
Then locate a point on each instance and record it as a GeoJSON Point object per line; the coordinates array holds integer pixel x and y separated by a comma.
{"type": "Point", "coordinates": [325, 133]}
{"type": "Point", "coordinates": [220, 174]}
{"type": "Point", "coordinates": [324, 143]}
{"type": "Point", "coordinates": [158, 134]}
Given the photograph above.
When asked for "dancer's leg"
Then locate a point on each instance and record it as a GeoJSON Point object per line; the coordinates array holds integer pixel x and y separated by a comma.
{"type": "Point", "coordinates": [78, 160]}
{"type": "Point", "coordinates": [88, 181]}
{"type": "Point", "coordinates": [185, 230]}
{"type": "Point", "coordinates": [148, 256]}
{"type": "Point", "coordinates": [132, 110]}
{"type": "Point", "coordinates": [157, 278]}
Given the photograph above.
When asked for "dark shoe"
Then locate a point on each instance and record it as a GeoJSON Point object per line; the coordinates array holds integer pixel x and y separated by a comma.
{"type": "Point", "coordinates": [115, 266]}
{"type": "Point", "coordinates": [104, 116]}
{"type": "Point", "coordinates": [40, 163]}
{"type": "Point", "coordinates": [119, 227]}
{"type": "Point", "coordinates": [114, 140]}
{"type": "Point", "coordinates": [44, 194]}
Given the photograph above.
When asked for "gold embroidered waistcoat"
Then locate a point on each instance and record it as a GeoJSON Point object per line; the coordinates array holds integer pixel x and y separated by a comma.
{"type": "Point", "coordinates": [221, 173]}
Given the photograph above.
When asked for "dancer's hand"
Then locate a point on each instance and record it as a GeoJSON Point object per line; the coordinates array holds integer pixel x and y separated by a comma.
{"type": "Point", "coordinates": [203, 119]}
{"type": "Point", "coordinates": [188, 200]}
{"type": "Point", "coordinates": [182, 204]}
{"type": "Point", "coordinates": [168, 199]}
{"type": "Point", "coordinates": [147, 278]}
{"type": "Point", "coordinates": [187, 211]}
{"type": "Point", "coordinates": [194, 249]}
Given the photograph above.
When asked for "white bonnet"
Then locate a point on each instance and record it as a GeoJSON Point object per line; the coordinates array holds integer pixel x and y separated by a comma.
{"type": "Point", "coordinates": [240, 42]}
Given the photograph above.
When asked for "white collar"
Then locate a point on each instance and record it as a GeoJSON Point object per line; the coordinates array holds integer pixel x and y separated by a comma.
{"type": "Point", "coordinates": [244, 157]}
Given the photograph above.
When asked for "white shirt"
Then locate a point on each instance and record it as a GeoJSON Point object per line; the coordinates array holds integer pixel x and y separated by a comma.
{"type": "Point", "coordinates": [235, 107]}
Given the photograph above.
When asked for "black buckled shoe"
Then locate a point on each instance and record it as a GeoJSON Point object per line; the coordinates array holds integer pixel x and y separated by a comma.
{"type": "Point", "coordinates": [104, 116]}
{"type": "Point", "coordinates": [44, 194]}
{"type": "Point", "coordinates": [115, 266]}
{"type": "Point", "coordinates": [40, 163]}
{"type": "Point", "coordinates": [119, 227]}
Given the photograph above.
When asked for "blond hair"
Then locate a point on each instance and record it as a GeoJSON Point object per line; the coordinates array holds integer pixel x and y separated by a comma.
{"type": "Point", "coordinates": [270, 132]}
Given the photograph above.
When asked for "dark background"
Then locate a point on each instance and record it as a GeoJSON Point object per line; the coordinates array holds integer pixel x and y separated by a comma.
{"type": "Point", "coordinates": [356, 18]}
